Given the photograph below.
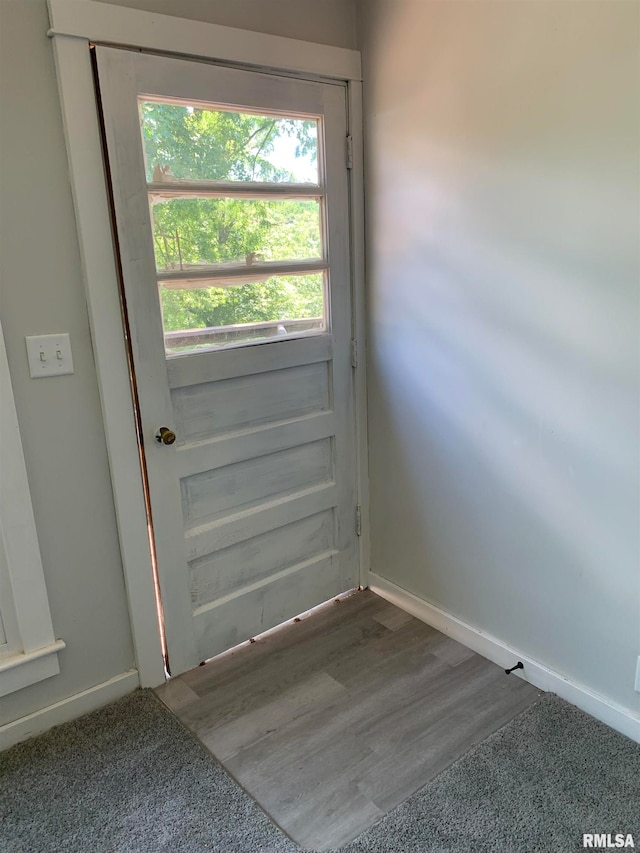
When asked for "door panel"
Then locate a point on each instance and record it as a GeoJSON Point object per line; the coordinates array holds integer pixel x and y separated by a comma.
{"type": "Point", "coordinates": [222, 572]}
{"type": "Point", "coordinates": [236, 276]}
{"type": "Point", "coordinates": [250, 402]}
{"type": "Point", "coordinates": [214, 493]}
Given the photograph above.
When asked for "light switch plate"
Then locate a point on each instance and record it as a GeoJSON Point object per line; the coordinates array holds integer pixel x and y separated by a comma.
{"type": "Point", "coordinates": [638, 674]}
{"type": "Point", "coordinates": [49, 355]}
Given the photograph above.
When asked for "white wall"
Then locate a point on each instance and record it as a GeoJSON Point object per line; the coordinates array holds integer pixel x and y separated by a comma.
{"type": "Point", "coordinates": [41, 291]}
{"type": "Point", "coordinates": [502, 199]}
{"type": "Point", "coordinates": [60, 420]}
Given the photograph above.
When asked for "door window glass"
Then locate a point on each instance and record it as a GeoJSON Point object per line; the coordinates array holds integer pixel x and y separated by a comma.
{"type": "Point", "coordinates": [190, 142]}
{"type": "Point", "coordinates": [237, 209]}
{"type": "Point", "coordinates": [197, 233]}
{"type": "Point", "coordinates": [205, 317]}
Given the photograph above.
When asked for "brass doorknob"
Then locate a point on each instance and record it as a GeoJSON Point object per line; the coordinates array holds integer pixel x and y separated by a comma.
{"type": "Point", "coordinates": [165, 436]}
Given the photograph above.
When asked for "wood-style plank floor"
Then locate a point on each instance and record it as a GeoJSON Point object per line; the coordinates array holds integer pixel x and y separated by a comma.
{"type": "Point", "coordinates": [331, 721]}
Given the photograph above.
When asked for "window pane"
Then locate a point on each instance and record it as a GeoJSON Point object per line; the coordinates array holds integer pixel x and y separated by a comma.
{"type": "Point", "coordinates": [186, 142]}
{"type": "Point", "coordinates": [207, 317]}
{"type": "Point", "coordinates": [193, 233]}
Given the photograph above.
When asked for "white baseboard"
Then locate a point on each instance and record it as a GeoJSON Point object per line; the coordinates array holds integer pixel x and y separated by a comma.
{"type": "Point", "coordinates": [68, 709]}
{"type": "Point", "coordinates": [608, 712]}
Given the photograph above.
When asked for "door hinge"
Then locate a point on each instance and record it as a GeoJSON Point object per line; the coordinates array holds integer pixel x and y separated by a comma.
{"type": "Point", "coordinates": [349, 152]}
{"type": "Point", "coordinates": [354, 352]}
{"type": "Point", "coordinates": [358, 520]}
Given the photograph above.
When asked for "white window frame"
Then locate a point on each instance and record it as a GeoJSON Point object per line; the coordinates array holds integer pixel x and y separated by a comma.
{"type": "Point", "coordinates": [30, 653]}
{"type": "Point", "coordinates": [74, 25]}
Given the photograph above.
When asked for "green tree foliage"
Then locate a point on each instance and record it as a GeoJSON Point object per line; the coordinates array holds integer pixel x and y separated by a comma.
{"type": "Point", "coordinates": [281, 298]}
{"type": "Point", "coordinates": [187, 143]}
{"type": "Point", "coordinates": [207, 145]}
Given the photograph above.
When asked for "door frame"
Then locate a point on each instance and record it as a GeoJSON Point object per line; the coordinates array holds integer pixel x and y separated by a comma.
{"type": "Point", "coordinates": [75, 24]}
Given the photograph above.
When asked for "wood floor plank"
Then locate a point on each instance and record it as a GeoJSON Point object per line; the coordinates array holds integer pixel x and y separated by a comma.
{"type": "Point", "coordinates": [449, 650]}
{"type": "Point", "coordinates": [258, 685]}
{"type": "Point", "coordinates": [176, 695]}
{"type": "Point", "coordinates": [417, 702]}
{"type": "Point", "coordinates": [334, 720]}
{"type": "Point", "coordinates": [393, 618]}
{"type": "Point", "coordinates": [305, 780]}
{"type": "Point", "coordinates": [340, 816]}
{"type": "Point", "coordinates": [445, 734]}
{"type": "Point", "coordinates": [391, 650]}
{"type": "Point", "coordinates": [244, 731]}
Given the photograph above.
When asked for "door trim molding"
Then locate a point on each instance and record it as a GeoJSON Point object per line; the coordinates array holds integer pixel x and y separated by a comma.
{"type": "Point", "coordinates": [74, 23]}
{"type": "Point", "coordinates": [93, 224]}
{"type": "Point", "coordinates": [115, 25]}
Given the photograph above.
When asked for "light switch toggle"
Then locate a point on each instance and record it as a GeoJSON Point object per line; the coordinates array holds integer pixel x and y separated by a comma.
{"type": "Point", "coordinates": [49, 355]}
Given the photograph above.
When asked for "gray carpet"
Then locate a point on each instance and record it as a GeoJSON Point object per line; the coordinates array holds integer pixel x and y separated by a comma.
{"type": "Point", "coordinates": [128, 778]}
{"type": "Point", "coordinates": [131, 779]}
{"type": "Point", "coordinates": [535, 786]}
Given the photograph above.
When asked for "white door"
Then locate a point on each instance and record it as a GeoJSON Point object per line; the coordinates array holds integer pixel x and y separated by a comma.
{"type": "Point", "coordinates": [231, 205]}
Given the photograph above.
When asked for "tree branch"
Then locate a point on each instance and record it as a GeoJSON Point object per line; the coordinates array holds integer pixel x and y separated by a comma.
{"type": "Point", "coordinates": [262, 144]}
